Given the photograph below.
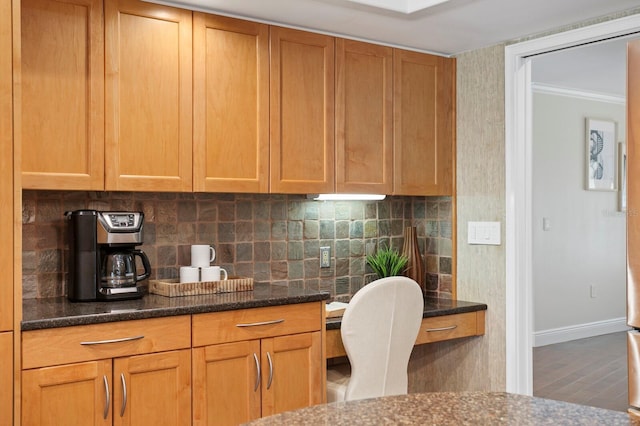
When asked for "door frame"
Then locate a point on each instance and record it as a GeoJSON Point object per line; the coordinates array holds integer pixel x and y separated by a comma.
{"type": "Point", "coordinates": [518, 191]}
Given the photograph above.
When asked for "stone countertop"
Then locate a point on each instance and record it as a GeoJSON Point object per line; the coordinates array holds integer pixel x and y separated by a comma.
{"type": "Point", "coordinates": [451, 408]}
{"type": "Point", "coordinates": [433, 307]}
{"type": "Point", "coordinates": [60, 312]}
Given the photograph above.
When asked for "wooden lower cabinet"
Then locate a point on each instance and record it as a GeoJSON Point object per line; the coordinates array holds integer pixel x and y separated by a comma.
{"type": "Point", "coordinates": [226, 389]}
{"type": "Point", "coordinates": [134, 372]}
{"type": "Point", "coordinates": [241, 381]}
{"type": "Point", "coordinates": [292, 372]}
{"type": "Point", "coordinates": [281, 368]}
{"type": "Point", "coordinates": [215, 369]}
{"type": "Point", "coordinates": [6, 378]}
{"type": "Point", "coordinates": [151, 389]}
{"type": "Point", "coordinates": [158, 389]}
{"type": "Point", "coordinates": [74, 394]}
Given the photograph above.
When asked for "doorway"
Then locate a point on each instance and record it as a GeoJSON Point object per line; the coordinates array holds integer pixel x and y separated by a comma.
{"type": "Point", "coordinates": [518, 158]}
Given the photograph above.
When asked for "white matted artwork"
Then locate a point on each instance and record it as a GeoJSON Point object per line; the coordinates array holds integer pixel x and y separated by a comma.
{"type": "Point", "coordinates": [602, 153]}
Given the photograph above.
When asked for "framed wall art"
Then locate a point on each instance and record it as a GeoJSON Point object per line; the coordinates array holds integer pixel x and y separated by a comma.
{"type": "Point", "coordinates": [602, 153]}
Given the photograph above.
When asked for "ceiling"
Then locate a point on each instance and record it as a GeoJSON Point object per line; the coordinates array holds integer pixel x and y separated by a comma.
{"type": "Point", "coordinates": [451, 27]}
{"type": "Point", "coordinates": [595, 68]}
{"type": "Point", "coordinates": [448, 28]}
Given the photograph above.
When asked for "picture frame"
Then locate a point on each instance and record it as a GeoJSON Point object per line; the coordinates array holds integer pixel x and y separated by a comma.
{"type": "Point", "coordinates": [602, 155]}
{"type": "Point", "coordinates": [622, 177]}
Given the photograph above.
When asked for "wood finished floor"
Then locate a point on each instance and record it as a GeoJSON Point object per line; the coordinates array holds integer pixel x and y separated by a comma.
{"type": "Point", "coordinates": [590, 371]}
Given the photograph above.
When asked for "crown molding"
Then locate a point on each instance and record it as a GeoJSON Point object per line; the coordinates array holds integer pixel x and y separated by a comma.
{"type": "Point", "coordinates": [575, 93]}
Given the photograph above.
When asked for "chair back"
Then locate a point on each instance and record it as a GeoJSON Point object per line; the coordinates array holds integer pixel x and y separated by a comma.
{"type": "Point", "coordinates": [379, 329]}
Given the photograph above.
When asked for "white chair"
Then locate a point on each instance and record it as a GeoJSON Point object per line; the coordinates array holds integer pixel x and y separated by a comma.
{"type": "Point", "coordinates": [379, 328]}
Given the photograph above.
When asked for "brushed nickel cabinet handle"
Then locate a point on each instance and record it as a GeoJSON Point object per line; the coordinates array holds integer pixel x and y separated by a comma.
{"type": "Point", "coordinates": [107, 401]}
{"type": "Point", "coordinates": [258, 372]}
{"type": "Point", "coordinates": [255, 324]}
{"type": "Point", "coordinates": [124, 394]}
{"type": "Point", "coordinates": [451, 327]}
{"type": "Point", "coordinates": [270, 370]}
{"type": "Point", "coordinates": [104, 342]}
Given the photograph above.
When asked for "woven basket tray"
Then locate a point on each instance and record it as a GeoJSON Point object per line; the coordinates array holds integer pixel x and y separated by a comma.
{"type": "Point", "coordinates": [173, 288]}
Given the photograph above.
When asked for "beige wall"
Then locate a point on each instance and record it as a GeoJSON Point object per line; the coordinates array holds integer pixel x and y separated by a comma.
{"type": "Point", "coordinates": [475, 363]}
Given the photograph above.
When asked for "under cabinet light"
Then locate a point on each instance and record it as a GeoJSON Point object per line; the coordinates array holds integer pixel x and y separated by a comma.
{"type": "Point", "coordinates": [347, 197]}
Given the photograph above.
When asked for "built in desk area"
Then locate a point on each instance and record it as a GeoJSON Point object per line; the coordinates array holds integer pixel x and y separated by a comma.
{"type": "Point", "coordinates": [443, 319]}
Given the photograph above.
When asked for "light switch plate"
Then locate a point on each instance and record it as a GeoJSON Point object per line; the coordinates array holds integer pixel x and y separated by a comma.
{"type": "Point", "coordinates": [487, 233]}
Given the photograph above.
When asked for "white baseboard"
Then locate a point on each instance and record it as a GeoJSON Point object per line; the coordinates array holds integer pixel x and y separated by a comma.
{"type": "Point", "coordinates": [580, 331]}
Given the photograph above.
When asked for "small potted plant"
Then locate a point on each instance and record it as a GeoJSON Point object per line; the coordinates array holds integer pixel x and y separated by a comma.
{"type": "Point", "coordinates": [387, 262]}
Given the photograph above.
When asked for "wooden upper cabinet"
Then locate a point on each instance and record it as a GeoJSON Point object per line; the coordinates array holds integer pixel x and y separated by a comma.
{"type": "Point", "coordinates": [62, 115]}
{"type": "Point", "coordinates": [148, 101]}
{"type": "Point", "coordinates": [364, 137]}
{"type": "Point", "coordinates": [424, 124]}
{"type": "Point", "coordinates": [6, 173]}
{"type": "Point", "coordinates": [302, 112]}
{"type": "Point", "coordinates": [231, 105]}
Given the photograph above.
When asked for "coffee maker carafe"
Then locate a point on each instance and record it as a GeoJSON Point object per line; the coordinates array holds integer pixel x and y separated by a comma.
{"type": "Point", "coordinates": [102, 255]}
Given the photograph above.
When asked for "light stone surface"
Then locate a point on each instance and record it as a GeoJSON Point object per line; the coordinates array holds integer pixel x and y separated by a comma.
{"type": "Point", "coordinates": [450, 408]}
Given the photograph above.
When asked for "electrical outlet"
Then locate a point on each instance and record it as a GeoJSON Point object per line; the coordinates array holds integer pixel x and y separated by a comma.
{"type": "Point", "coordinates": [593, 292]}
{"type": "Point", "coordinates": [325, 257]}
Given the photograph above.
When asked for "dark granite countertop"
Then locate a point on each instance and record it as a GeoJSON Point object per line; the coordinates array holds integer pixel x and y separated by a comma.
{"type": "Point", "coordinates": [451, 408]}
{"type": "Point", "coordinates": [433, 307]}
{"type": "Point", "coordinates": [60, 312]}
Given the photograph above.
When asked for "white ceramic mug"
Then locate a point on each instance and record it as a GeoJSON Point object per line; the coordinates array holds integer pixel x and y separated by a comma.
{"type": "Point", "coordinates": [213, 273]}
{"type": "Point", "coordinates": [189, 274]}
{"type": "Point", "coordinates": [202, 255]}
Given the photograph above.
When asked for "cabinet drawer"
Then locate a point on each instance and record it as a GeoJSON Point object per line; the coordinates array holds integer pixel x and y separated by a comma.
{"type": "Point", "coordinates": [257, 323]}
{"type": "Point", "coordinates": [448, 327]}
{"type": "Point", "coordinates": [41, 348]}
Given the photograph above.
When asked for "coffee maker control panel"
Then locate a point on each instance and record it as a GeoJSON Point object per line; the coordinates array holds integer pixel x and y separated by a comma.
{"type": "Point", "coordinates": [121, 221]}
{"type": "Point", "coordinates": [117, 228]}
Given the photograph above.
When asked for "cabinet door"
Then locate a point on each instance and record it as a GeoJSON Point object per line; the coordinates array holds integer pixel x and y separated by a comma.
{"type": "Point", "coordinates": [148, 97]}
{"type": "Point", "coordinates": [226, 383]}
{"type": "Point", "coordinates": [302, 112]}
{"type": "Point", "coordinates": [424, 124]}
{"type": "Point", "coordinates": [292, 372]}
{"type": "Point", "coordinates": [633, 198]}
{"type": "Point", "coordinates": [231, 105]}
{"type": "Point", "coordinates": [6, 378]}
{"type": "Point", "coordinates": [153, 389]}
{"type": "Point", "coordinates": [74, 394]}
{"type": "Point", "coordinates": [62, 94]}
{"type": "Point", "coordinates": [6, 170]}
{"type": "Point", "coordinates": [364, 136]}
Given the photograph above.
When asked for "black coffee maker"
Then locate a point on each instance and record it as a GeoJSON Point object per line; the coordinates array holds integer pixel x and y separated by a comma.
{"type": "Point", "coordinates": [101, 263]}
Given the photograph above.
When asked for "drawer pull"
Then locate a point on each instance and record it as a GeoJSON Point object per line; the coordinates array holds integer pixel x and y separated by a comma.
{"type": "Point", "coordinates": [270, 371]}
{"type": "Point", "coordinates": [258, 372]}
{"type": "Point", "coordinates": [104, 342]}
{"type": "Point", "coordinates": [451, 327]}
{"type": "Point", "coordinates": [255, 324]}
{"type": "Point", "coordinates": [124, 394]}
{"type": "Point", "coordinates": [107, 399]}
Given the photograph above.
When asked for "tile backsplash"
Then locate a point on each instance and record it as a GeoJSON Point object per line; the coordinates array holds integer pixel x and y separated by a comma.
{"type": "Point", "coordinates": [272, 238]}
